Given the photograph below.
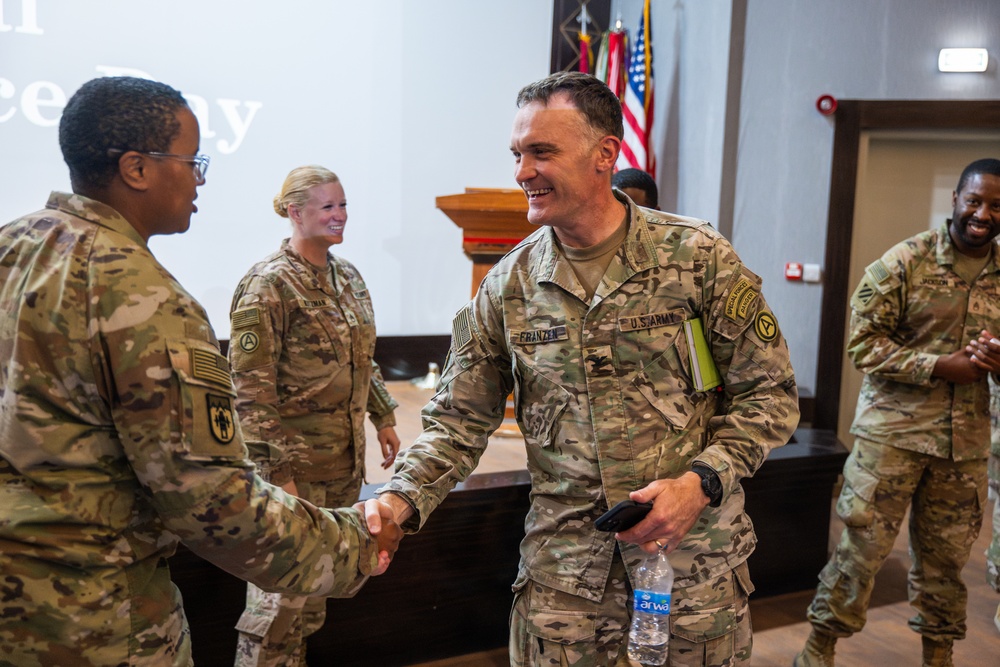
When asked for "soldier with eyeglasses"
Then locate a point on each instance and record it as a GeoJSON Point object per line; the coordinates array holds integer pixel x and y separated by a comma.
{"type": "Point", "coordinates": [118, 437]}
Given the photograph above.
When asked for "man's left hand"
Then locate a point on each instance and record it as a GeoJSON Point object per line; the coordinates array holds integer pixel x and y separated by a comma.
{"type": "Point", "coordinates": [677, 504]}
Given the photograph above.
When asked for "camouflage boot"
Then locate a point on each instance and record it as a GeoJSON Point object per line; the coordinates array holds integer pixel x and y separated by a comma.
{"type": "Point", "coordinates": [936, 654]}
{"type": "Point", "coordinates": [818, 651]}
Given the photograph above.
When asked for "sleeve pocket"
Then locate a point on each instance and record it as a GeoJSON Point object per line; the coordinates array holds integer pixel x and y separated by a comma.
{"type": "Point", "coordinates": [208, 426]}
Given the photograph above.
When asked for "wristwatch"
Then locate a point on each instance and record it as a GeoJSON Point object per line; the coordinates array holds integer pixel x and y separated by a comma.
{"type": "Point", "coordinates": [711, 485]}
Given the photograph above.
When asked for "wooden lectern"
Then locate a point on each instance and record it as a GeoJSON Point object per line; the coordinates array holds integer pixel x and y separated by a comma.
{"type": "Point", "coordinates": [492, 220]}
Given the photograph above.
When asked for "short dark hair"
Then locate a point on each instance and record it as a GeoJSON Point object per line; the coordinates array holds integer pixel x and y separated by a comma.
{"type": "Point", "coordinates": [987, 165]}
{"type": "Point", "coordinates": [120, 112]}
{"type": "Point", "coordinates": [638, 179]}
{"type": "Point", "coordinates": [591, 96]}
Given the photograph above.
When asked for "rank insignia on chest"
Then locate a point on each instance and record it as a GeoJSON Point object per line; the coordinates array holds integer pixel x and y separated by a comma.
{"type": "Point", "coordinates": [220, 418]}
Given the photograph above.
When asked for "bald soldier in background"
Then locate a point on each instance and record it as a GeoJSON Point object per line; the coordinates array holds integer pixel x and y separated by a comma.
{"type": "Point", "coordinates": [589, 321]}
{"type": "Point", "coordinates": [921, 323]}
{"type": "Point", "coordinates": [117, 432]}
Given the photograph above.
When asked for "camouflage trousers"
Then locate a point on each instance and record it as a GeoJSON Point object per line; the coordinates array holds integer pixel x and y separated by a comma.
{"type": "Point", "coordinates": [274, 627]}
{"type": "Point", "coordinates": [946, 501]}
{"type": "Point", "coordinates": [709, 624]}
{"type": "Point", "coordinates": [993, 551]}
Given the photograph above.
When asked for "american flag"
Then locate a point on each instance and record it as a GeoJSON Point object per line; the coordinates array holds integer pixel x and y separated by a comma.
{"type": "Point", "coordinates": [637, 150]}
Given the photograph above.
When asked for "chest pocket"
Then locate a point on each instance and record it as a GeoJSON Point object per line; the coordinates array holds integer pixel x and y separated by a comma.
{"type": "Point", "coordinates": [538, 402]}
{"type": "Point", "coordinates": [314, 338]}
{"type": "Point", "coordinates": [665, 381]}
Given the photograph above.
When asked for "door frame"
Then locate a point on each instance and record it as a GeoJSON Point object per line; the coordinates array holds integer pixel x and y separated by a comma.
{"type": "Point", "coordinates": [853, 117]}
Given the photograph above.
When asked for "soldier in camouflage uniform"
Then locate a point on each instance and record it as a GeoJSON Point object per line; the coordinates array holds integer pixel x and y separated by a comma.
{"type": "Point", "coordinates": [585, 321]}
{"type": "Point", "coordinates": [118, 436]}
{"type": "Point", "coordinates": [920, 331]}
{"type": "Point", "coordinates": [993, 552]}
{"type": "Point", "coordinates": [303, 335]}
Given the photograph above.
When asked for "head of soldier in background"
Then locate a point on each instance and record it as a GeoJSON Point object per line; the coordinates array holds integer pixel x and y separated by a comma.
{"type": "Point", "coordinates": [312, 197]}
{"type": "Point", "coordinates": [565, 141]}
{"type": "Point", "coordinates": [638, 185]}
{"type": "Point", "coordinates": [975, 220]}
{"type": "Point", "coordinates": [133, 144]}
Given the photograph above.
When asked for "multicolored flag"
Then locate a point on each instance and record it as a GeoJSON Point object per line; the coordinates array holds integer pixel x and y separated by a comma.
{"type": "Point", "coordinates": [610, 67]}
{"type": "Point", "coordinates": [637, 108]}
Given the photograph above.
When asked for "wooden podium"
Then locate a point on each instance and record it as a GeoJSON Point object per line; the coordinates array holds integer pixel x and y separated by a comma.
{"type": "Point", "coordinates": [492, 220]}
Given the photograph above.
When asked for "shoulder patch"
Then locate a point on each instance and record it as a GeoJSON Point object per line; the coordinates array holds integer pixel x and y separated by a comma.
{"type": "Point", "coordinates": [865, 291]}
{"type": "Point", "coordinates": [766, 326]}
{"type": "Point", "coordinates": [740, 299]}
{"type": "Point", "coordinates": [221, 418]}
{"type": "Point", "coordinates": [879, 271]}
{"type": "Point", "coordinates": [210, 367]}
{"type": "Point", "coordinates": [245, 317]}
{"type": "Point", "coordinates": [461, 329]}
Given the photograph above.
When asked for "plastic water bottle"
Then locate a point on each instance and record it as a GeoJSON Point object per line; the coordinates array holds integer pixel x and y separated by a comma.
{"type": "Point", "coordinates": [649, 636]}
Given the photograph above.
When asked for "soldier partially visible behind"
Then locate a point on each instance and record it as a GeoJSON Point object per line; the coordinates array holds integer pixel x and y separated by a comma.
{"type": "Point", "coordinates": [117, 432]}
{"type": "Point", "coordinates": [923, 331]}
{"type": "Point", "coordinates": [993, 551]}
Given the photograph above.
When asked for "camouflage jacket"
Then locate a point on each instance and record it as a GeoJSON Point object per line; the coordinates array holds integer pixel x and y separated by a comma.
{"type": "Point", "coordinates": [117, 440]}
{"type": "Point", "coordinates": [909, 309]}
{"type": "Point", "coordinates": [291, 337]}
{"type": "Point", "coordinates": [604, 396]}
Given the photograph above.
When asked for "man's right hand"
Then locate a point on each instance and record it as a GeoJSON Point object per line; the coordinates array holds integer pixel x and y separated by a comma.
{"type": "Point", "coordinates": [384, 529]}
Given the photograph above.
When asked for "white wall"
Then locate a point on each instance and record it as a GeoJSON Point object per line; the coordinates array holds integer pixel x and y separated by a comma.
{"type": "Point", "coordinates": [405, 100]}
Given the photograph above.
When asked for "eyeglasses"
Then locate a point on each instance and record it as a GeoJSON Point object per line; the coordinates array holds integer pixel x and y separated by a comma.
{"type": "Point", "coordinates": [198, 162]}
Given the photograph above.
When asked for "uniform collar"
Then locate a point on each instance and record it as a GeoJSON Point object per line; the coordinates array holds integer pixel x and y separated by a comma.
{"type": "Point", "coordinates": [637, 253]}
{"type": "Point", "coordinates": [311, 274]}
{"type": "Point", "coordinates": [945, 250]}
{"type": "Point", "coordinates": [94, 211]}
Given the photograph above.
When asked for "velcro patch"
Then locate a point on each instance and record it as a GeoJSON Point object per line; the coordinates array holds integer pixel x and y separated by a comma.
{"type": "Point", "coordinates": [766, 326]}
{"type": "Point", "coordinates": [535, 336]}
{"type": "Point", "coordinates": [651, 320]}
{"type": "Point", "coordinates": [245, 317]}
{"type": "Point", "coordinates": [865, 292]}
{"type": "Point", "coordinates": [210, 367]}
{"type": "Point", "coordinates": [220, 417]}
{"type": "Point", "coordinates": [740, 299]}
{"type": "Point", "coordinates": [461, 329]}
{"type": "Point", "coordinates": [248, 341]}
{"type": "Point", "coordinates": [314, 303]}
{"type": "Point", "coordinates": [879, 271]}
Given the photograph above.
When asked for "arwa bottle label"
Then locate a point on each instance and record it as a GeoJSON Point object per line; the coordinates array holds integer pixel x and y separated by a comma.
{"type": "Point", "coordinates": [652, 602]}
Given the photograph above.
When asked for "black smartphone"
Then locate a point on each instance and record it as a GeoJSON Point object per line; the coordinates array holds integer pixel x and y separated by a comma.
{"type": "Point", "coordinates": [622, 516]}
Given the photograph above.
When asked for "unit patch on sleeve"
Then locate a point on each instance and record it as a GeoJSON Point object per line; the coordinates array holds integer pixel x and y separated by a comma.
{"type": "Point", "coordinates": [220, 418]}
{"type": "Point", "coordinates": [248, 341]}
{"type": "Point", "coordinates": [740, 299]}
{"type": "Point", "coordinates": [766, 326]}
{"type": "Point", "coordinates": [865, 291]}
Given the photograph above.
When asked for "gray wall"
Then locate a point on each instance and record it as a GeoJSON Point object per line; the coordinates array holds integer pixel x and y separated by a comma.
{"type": "Point", "coordinates": [795, 51]}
